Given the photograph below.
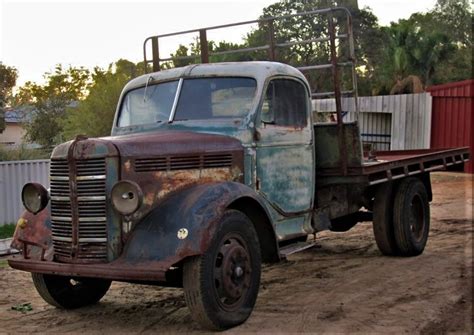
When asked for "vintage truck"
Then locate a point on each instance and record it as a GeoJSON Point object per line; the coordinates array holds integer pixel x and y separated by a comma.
{"type": "Point", "coordinates": [210, 171]}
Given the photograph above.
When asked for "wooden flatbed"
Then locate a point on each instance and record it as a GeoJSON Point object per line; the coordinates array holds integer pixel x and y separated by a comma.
{"type": "Point", "coordinates": [392, 165]}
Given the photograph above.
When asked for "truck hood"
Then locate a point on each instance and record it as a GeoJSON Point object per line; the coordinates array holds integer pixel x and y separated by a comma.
{"type": "Point", "coordinates": [147, 145]}
{"type": "Point", "coordinates": [172, 143]}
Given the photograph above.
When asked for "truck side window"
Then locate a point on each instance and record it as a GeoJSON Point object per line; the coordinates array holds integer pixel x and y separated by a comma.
{"type": "Point", "coordinates": [285, 103]}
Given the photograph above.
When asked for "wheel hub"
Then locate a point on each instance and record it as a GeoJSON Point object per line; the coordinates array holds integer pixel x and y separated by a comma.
{"type": "Point", "coordinates": [238, 272]}
{"type": "Point", "coordinates": [233, 274]}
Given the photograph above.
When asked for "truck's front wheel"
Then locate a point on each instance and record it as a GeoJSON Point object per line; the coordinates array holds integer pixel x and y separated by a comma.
{"type": "Point", "coordinates": [221, 286]}
{"type": "Point", "coordinates": [68, 293]}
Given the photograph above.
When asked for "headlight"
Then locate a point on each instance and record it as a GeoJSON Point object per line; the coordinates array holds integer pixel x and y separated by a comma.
{"type": "Point", "coordinates": [34, 197]}
{"type": "Point", "coordinates": [126, 197]}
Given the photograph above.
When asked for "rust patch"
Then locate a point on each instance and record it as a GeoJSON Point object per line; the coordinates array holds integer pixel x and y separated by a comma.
{"type": "Point", "coordinates": [34, 232]}
{"type": "Point", "coordinates": [116, 270]}
{"type": "Point", "coordinates": [165, 163]}
{"type": "Point", "coordinates": [157, 186]}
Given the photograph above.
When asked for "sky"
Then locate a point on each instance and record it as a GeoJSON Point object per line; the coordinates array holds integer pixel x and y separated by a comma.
{"type": "Point", "coordinates": [37, 35]}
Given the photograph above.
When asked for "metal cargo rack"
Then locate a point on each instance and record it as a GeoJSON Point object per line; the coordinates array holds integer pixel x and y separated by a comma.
{"type": "Point", "coordinates": [339, 27]}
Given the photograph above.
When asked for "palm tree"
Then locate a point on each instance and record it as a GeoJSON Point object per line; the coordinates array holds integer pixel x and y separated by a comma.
{"type": "Point", "coordinates": [413, 54]}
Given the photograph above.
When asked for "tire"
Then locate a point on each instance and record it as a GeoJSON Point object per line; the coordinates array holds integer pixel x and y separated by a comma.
{"type": "Point", "coordinates": [383, 221]}
{"type": "Point", "coordinates": [221, 286]}
{"type": "Point", "coordinates": [411, 217]}
{"type": "Point", "coordinates": [69, 293]}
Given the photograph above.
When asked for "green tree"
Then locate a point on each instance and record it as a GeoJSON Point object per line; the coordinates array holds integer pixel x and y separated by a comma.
{"type": "Point", "coordinates": [8, 76]}
{"type": "Point", "coordinates": [184, 51]}
{"type": "Point", "coordinates": [63, 88]}
{"type": "Point", "coordinates": [430, 48]}
{"type": "Point", "coordinates": [94, 115]}
{"type": "Point", "coordinates": [192, 51]}
{"type": "Point", "coordinates": [454, 18]}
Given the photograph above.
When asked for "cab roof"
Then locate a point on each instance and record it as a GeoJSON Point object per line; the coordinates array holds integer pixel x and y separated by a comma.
{"type": "Point", "coordinates": [259, 70]}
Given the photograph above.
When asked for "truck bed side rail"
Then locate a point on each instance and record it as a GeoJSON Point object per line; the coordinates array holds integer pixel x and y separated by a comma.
{"type": "Point", "coordinates": [393, 165]}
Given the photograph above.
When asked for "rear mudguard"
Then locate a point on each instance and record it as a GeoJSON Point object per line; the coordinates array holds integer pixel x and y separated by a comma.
{"type": "Point", "coordinates": [184, 224]}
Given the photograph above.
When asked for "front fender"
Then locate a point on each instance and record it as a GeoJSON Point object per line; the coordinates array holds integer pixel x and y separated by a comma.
{"type": "Point", "coordinates": [33, 235]}
{"type": "Point", "coordinates": [184, 224]}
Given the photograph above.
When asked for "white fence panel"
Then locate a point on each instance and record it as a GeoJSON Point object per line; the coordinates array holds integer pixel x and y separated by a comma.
{"type": "Point", "coordinates": [407, 124]}
{"type": "Point", "coordinates": [13, 175]}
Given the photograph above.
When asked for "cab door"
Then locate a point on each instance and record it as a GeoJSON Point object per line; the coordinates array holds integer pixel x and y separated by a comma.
{"type": "Point", "coordinates": [285, 170]}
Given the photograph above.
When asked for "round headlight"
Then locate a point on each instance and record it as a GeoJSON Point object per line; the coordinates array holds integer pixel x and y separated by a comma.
{"type": "Point", "coordinates": [126, 197]}
{"type": "Point", "coordinates": [34, 197]}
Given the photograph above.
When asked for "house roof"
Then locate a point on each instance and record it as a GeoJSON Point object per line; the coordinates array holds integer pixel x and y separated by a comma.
{"type": "Point", "coordinates": [13, 116]}
{"type": "Point", "coordinates": [18, 115]}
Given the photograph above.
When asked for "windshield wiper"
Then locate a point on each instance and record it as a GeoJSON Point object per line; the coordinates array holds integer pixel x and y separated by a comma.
{"type": "Point", "coordinates": [150, 78]}
{"type": "Point", "coordinates": [175, 101]}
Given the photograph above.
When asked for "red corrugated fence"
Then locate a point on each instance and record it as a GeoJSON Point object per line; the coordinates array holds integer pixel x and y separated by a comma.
{"type": "Point", "coordinates": [451, 120]}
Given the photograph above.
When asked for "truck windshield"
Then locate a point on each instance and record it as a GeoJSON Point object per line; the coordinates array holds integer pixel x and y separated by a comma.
{"type": "Point", "coordinates": [200, 99]}
{"type": "Point", "coordinates": [213, 98]}
{"type": "Point", "coordinates": [151, 104]}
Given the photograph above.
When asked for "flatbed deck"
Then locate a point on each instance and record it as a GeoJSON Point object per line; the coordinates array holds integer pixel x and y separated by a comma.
{"type": "Point", "coordinates": [392, 165]}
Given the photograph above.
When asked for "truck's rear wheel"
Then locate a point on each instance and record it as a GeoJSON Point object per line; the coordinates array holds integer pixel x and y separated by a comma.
{"type": "Point", "coordinates": [383, 220]}
{"type": "Point", "coordinates": [221, 286]}
{"type": "Point", "coordinates": [411, 217]}
{"type": "Point", "coordinates": [68, 293]}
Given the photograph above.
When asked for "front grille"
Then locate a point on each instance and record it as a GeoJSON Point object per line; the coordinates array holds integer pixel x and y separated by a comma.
{"type": "Point", "coordinates": [92, 210]}
{"type": "Point", "coordinates": [172, 163]}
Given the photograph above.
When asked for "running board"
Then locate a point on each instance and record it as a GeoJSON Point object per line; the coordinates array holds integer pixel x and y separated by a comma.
{"type": "Point", "coordinates": [296, 247]}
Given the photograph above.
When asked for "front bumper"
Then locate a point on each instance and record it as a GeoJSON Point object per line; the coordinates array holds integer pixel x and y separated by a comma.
{"type": "Point", "coordinates": [153, 271]}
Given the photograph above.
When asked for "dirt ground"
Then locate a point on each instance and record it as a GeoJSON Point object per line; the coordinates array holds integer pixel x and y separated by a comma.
{"type": "Point", "coordinates": [343, 285]}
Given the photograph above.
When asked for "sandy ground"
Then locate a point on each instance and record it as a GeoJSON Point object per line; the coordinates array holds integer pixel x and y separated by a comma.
{"type": "Point", "coordinates": [343, 285]}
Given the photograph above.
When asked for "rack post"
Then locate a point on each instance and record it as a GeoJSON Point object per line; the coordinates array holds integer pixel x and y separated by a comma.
{"type": "Point", "coordinates": [204, 46]}
{"type": "Point", "coordinates": [156, 54]}
{"type": "Point", "coordinates": [271, 41]}
{"type": "Point", "coordinates": [337, 94]}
